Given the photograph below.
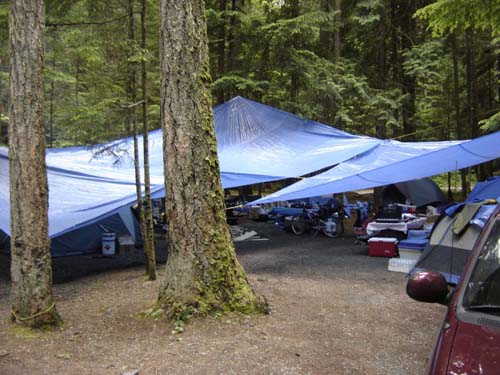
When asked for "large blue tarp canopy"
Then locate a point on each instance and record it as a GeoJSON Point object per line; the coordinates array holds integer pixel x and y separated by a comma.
{"type": "Point", "coordinates": [256, 143]}
{"type": "Point", "coordinates": [392, 162]}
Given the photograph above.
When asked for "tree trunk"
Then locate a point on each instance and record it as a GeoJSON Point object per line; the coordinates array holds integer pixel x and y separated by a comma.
{"type": "Point", "coordinates": [338, 20]}
{"type": "Point", "coordinates": [408, 29]}
{"type": "Point", "coordinates": [149, 240]}
{"type": "Point", "coordinates": [132, 119]}
{"type": "Point", "coordinates": [471, 83]}
{"type": "Point", "coordinates": [31, 296]}
{"type": "Point", "coordinates": [456, 104]}
{"type": "Point", "coordinates": [3, 128]}
{"type": "Point", "coordinates": [221, 49]}
{"type": "Point", "coordinates": [202, 273]}
{"type": "Point", "coordinates": [51, 114]}
{"type": "Point", "coordinates": [325, 35]}
{"type": "Point", "coordinates": [394, 42]}
{"type": "Point", "coordinates": [471, 89]}
{"type": "Point", "coordinates": [234, 45]}
{"type": "Point", "coordinates": [498, 71]}
{"type": "Point", "coordinates": [294, 77]}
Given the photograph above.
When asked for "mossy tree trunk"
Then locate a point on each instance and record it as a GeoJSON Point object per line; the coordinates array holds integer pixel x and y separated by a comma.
{"type": "Point", "coordinates": [202, 272]}
{"type": "Point", "coordinates": [31, 297]}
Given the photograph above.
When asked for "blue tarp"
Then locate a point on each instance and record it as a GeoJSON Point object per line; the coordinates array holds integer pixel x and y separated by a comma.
{"type": "Point", "coordinates": [489, 189]}
{"type": "Point", "coordinates": [256, 143]}
{"type": "Point", "coordinates": [393, 162]}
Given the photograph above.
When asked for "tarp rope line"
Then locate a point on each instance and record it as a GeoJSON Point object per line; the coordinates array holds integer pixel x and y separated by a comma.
{"type": "Point", "coordinates": [418, 132]}
{"type": "Point", "coordinates": [33, 316]}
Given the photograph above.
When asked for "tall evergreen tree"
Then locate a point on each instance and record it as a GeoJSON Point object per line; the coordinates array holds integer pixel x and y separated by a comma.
{"type": "Point", "coordinates": [31, 272]}
{"type": "Point", "coordinates": [202, 274]}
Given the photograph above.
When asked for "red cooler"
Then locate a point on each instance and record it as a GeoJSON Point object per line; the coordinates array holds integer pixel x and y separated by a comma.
{"type": "Point", "coordinates": [382, 247]}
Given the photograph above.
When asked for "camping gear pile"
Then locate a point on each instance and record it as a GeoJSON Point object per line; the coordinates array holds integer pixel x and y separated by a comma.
{"type": "Point", "coordinates": [447, 247]}
{"type": "Point", "coordinates": [457, 230]}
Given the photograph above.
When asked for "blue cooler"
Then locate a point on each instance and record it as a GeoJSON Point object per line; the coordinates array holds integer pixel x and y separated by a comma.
{"type": "Point", "coordinates": [412, 248]}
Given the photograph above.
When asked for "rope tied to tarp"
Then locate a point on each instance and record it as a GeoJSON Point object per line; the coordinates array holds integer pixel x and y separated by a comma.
{"type": "Point", "coordinates": [21, 319]}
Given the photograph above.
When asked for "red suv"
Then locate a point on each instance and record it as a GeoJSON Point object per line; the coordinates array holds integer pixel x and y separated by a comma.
{"type": "Point", "coordinates": [469, 340]}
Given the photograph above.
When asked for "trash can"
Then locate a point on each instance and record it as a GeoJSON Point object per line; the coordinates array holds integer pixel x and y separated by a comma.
{"type": "Point", "coordinates": [108, 244]}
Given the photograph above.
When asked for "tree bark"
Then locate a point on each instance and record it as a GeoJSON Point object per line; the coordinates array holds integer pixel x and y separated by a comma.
{"type": "Point", "coordinates": [221, 49]}
{"type": "Point", "coordinates": [149, 241]}
{"type": "Point", "coordinates": [234, 45]}
{"type": "Point", "coordinates": [31, 296]}
{"type": "Point", "coordinates": [51, 113]}
{"type": "Point", "coordinates": [456, 105]}
{"type": "Point", "coordinates": [470, 63]}
{"type": "Point", "coordinates": [202, 273]}
{"type": "Point", "coordinates": [471, 83]}
{"type": "Point", "coordinates": [132, 120]}
{"type": "Point", "coordinates": [408, 29]}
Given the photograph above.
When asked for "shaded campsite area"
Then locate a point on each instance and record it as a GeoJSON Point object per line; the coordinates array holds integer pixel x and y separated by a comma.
{"type": "Point", "coordinates": [334, 310]}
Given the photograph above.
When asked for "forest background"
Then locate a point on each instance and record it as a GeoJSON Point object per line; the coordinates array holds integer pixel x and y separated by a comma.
{"type": "Point", "coordinates": [399, 69]}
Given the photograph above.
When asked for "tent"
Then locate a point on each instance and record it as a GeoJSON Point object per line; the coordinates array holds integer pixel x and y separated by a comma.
{"type": "Point", "coordinates": [82, 206]}
{"type": "Point", "coordinates": [447, 251]}
{"type": "Point", "coordinates": [420, 192]}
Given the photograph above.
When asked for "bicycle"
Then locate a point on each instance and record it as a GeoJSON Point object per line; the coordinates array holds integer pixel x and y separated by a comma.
{"type": "Point", "coordinates": [318, 220]}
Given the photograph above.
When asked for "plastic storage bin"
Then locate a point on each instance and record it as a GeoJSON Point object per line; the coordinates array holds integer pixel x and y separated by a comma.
{"type": "Point", "coordinates": [382, 247]}
{"type": "Point", "coordinates": [412, 248]}
{"type": "Point", "coordinates": [401, 265]}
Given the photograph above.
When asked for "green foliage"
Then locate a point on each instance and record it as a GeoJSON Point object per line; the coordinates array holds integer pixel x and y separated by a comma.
{"type": "Point", "coordinates": [446, 16]}
{"type": "Point", "coordinates": [265, 49]}
{"type": "Point", "coordinates": [491, 124]}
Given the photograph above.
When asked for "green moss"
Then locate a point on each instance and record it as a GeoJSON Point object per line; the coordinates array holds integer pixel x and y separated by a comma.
{"type": "Point", "coordinates": [155, 312]}
{"type": "Point", "coordinates": [28, 333]}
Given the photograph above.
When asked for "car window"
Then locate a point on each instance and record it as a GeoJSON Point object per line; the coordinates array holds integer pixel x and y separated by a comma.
{"type": "Point", "coordinates": [483, 289]}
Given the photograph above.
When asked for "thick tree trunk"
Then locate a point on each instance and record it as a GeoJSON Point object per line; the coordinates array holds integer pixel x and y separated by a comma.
{"type": "Point", "coordinates": [149, 241]}
{"type": "Point", "coordinates": [202, 273]}
{"type": "Point", "coordinates": [31, 297]}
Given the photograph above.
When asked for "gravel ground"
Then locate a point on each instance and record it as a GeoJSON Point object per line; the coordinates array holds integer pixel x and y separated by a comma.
{"type": "Point", "coordinates": [334, 311]}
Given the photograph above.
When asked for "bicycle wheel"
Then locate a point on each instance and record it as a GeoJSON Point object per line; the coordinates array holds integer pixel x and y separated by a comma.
{"type": "Point", "coordinates": [336, 228]}
{"type": "Point", "coordinates": [298, 225]}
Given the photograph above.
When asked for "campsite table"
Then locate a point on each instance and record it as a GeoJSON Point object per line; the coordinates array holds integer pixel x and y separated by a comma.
{"type": "Point", "coordinates": [400, 226]}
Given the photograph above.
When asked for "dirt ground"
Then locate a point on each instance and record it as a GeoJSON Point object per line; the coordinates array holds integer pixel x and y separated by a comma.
{"type": "Point", "coordinates": [334, 311]}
